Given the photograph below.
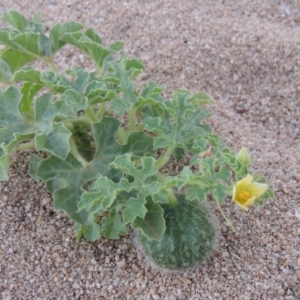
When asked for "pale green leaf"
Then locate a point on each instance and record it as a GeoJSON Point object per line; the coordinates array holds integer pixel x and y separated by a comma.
{"type": "Point", "coordinates": [104, 194]}
{"type": "Point", "coordinates": [55, 140]}
{"type": "Point", "coordinates": [113, 226]}
{"type": "Point", "coordinates": [180, 124]}
{"type": "Point", "coordinates": [134, 208]}
{"type": "Point", "coordinates": [93, 35]}
{"type": "Point", "coordinates": [196, 192]}
{"type": "Point", "coordinates": [7, 148]}
{"type": "Point", "coordinates": [151, 88]}
{"type": "Point", "coordinates": [45, 45]}
{"type": "Point", "coordinates": [97, 92]}
{"type": "Point", "coordinates": [178, 154]}
{"type": "Point", "coordinates": [116, 46]}
{"type": "Point", "coordinates": [5, 73]}
{"type": "Point", "coordinates": [67, 195]}
{"type": "Point", "coordinates": [121, 75]}
{"type": "Point", "coordinates": [92, 231]}
{"type": "Point", "coordinates": [57, 32]}
{"type": "Point", "coordinates": [29, 90]}
{"type": "Point", "coordinates": [107, 148]}
{"type": "Point", "coordinates": [55, 82]}
{"type": "Point", "coordinates": [146, 168]}
{"type": "Point", "coordinates": [46, 110]}
{"type": "Point", "coordinates": [220, 193]}
{"type": "Point", "coordinates": [28, 42]}
{"type": "Point", "coordinates": [27, 74]}
{"type": "Point", "coordinates": [11, 61]}
{"type": "Point", "coordinates": [4, 165]}
{"type": "Point", "coordinates": [15, 19]}
{"type": "Point", "coordinates": [153, 225]}
{"type": "Point", "coordinates": [80, 79]}
{"type": "Point", "coordinates": [74, 100]}
{"type": "Point", "coordinates": [200, 98]}
{"type": "Point", "coordinates": [19, 22]}
{"type": "Point", "coordinates": [11, 120]}
{"type": "Point", "coordinates": [84, 43]}
{"type": "Point", "coordinates": [34, 164]}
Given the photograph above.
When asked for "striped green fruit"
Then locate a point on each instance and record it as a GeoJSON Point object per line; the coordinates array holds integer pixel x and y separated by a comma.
{"type": "Point", "coordinates": [188, 239]}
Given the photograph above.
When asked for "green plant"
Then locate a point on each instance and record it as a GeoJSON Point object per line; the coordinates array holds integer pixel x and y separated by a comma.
{"type": "Point", "coordinates": [107, 141]}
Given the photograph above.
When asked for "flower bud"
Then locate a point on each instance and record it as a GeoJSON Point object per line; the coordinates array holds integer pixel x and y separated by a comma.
{"type": "Point", "coordinates": [243, 156]}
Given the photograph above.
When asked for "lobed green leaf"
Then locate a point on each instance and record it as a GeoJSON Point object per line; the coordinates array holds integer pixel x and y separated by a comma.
{"type": "Point", "coordinates": [153, 225]}
{"type": "Point", "coordinates": [180, 124]}
{"type": "Point", "coordinates": [113, 226]}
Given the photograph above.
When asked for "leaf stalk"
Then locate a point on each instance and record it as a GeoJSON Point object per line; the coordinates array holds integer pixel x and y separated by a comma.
{"type": "Point", "coordinates": [132, 120]}
{"type": "Point", "coordinates": [101, 110]}
{"type": "Point", "coordinates": [74, 151]}
{"type": "Point", "coordinates": [161, 161]}
{"type": "Point", "coordinates": [89, 112]}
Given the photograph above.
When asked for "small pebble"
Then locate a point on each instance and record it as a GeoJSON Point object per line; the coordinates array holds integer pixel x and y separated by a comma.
{"type": "Point", "coordinates": [75, 286]}
{"type": "Point", "coordinates": [121, 264]}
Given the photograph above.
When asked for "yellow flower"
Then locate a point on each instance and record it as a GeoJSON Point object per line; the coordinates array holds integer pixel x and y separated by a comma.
{"type": "Point", "coordinates": [243, 156]}
{"type": "Point", "coordinates": [245, 191]}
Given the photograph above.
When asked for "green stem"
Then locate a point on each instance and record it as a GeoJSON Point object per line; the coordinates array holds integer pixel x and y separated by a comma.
{"type": "Point", "coordinates": [122, 136]}
{"type": "Point", "coordinates": [26, 146]}
{"type": "Point", "coordinates": [91, 114]}
{"type": "Point", "coordinates": [132, 120]}
{"type": "Point", "coordinates": [164, 158]}
{"type": "Point", "coordinates": [160, 176]}
{"type": "Point", "coordinates": [172, 200]}
{"type": "Point", "coordinates": [99, 68]}
{"type": "Point", "coordinates": [79, 121]}
{"type": "Point", "coordinates": [69, 125]}
{"type": "Point", "coordinates": [76, 154]}
{"type": "Point", "coordinates": [51, 65]}
{"type": "Point", "coordinates": [101, 110]}
{"type": "Point", "coordinates": [228, 222]}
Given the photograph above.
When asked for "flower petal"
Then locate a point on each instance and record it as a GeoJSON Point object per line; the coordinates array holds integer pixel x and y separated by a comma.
{"type": "Point", "coordinates": [242, 184]}
{"type": "Point", "coordinates": [257, 189]}
{"type": "Point", "coordinates": [250, 201]}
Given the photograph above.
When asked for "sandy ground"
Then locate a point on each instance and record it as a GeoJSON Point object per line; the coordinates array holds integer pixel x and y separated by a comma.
{"type": "Point", "coordinates": [246, 54]}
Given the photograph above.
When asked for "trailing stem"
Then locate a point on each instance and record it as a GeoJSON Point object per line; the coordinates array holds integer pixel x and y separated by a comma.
{"type": "Point", "coordinates": [228, 222]}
